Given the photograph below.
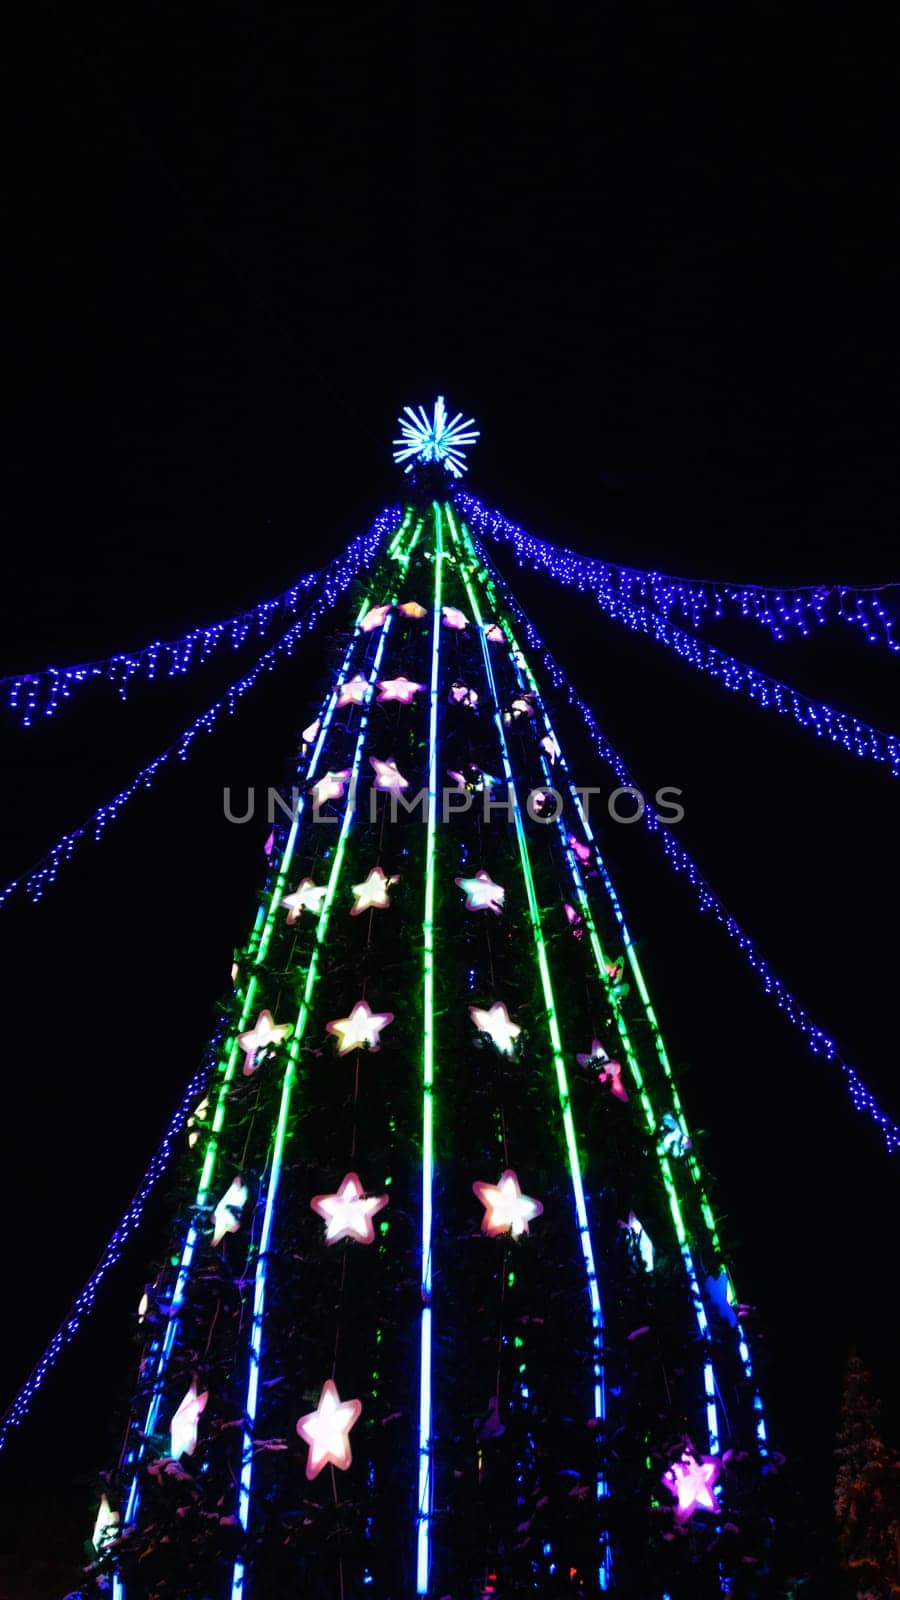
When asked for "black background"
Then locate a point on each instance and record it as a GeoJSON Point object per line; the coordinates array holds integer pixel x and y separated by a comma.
{"type": "Point", "coordinates": [651, 253]}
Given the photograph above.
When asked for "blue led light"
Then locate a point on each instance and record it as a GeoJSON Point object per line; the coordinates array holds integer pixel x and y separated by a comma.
{"type": "Point", "coordinates": [425, 438]}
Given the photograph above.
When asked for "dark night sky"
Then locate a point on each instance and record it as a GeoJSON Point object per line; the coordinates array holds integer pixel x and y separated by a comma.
{"type": "Point", "coordinates": [654, 257]}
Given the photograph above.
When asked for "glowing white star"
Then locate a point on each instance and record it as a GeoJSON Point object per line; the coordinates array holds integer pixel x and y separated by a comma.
{"type": "Point", "coordinates": [330, 787]}
{"type": "Point", "coordinates": [454, 618]}
{"type": "Point", "coordinates": [481, 893]}
{"type": "Point", "coordinates": [348, 1214]}
{"type": "Point", "coordinates": [375, 618]}
{"type": "Point", "coordinates": [106, 1525]}
{"type": "Point", "coordinates": [198, 1115]}
{"type": "Point", "coordinates": [692, 1483]}
{"type": "Point", "coordinates": [312, 732]}
{"type": "Point", "coordinates": [506, 1208]}
{"type": "Point", "coordinates": [494, 633]}
{"type": "Point", "coordinates": [264, 1035]}
{"type": "Point", "coordinates": [362, 1027]}
{"type": "Point", "coordinates": [306, 897]}
{"type": "Point", "coordinates": [326, 1431]}
{"type": "Point", "coordinates": [436, 438]}
{"type": "Point", "coordinates": [402, 689]}
{"type": "Point", "coordinates": [183, 1426]}
{"type": "Point", "coordinates": [353, 692]}
{"type": "Point", "coordinates": [227, 1215]}
{"type": "Point", "coordinates": [387, 777]}
{"type": "Point", "coordinates": [373, 894]}
{"type": "Point", "coordinates": [645, 1243]}
{"type": "Point", "coordinates": [496, 1023]}
{"type": "Point", "coordinates": [411, 608]}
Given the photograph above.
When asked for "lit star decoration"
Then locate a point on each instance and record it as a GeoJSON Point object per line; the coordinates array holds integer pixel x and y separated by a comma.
{"type": "Point", "coordinates": [506, 1208]}
{"type": "Point", "coordinates": [106, 1525]}
{"type": "Point", "coordinates": [674, 1141]}
{"type": "Point", "coordinates": [481, 893]}
{"type": "Point", "coordinates": [574, 919]}
{"type": "Point", "coordinates": [582, 851]}
{"type": "Point", "coordinates": [348, 1214]}
{"type": "Point", "coordinates": [411, 608]}
{"type": "Point", "coordinates": [266, 1034]}
{"type": "Point", "coordinates": [183, 1426]}
{"type": "Point", "coordinates": [493, 633]}
{"type": "Point", "coordinates": [387, 777]}
{"type": "Point", "coordinates": [400, 689]}
{"type": "Point", "coordinates": [375, 618]}
{"type": "Point", "coordinates": [362, 1027]}
{"type": "Point", "coordinates": [692, 1483]}
{"type": "Point", "coordinates": [353, 692]}
{"type": "Point", "coordinates": [497, 1025]}
{"type": "Point", "coordinates": [197, 1116]}
{"type": "Point", "coordinates": [461, 695]}
{"type": "Point", "coordinates": [306, 897]}
{"type": "Point", "coordinates": [644, 1242]}
{"type": "Point", "coordinates": [550, 748]}
{"type": "Point", "coordinates": [312, 732]}
{"type": "Point", "coordinates": [227, 1215]}
{"type": "Point", "coordinates": [326, 1431]}
{"type": "Point", "coordinates": [373, 894]}
{"type": "Point", "coordinates": [609, 1071]}
{"type": "Point", "coordinates": [423, 438]}
{"type": "Point", "coordinates": [330, 787]}
{"type": "Point", "coordinates": [454, 618]}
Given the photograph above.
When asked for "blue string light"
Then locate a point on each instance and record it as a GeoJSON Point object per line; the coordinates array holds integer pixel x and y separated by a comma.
{"type": "Point", "coordinates": [30, 695]}
{"type": "Point", "coordinates": [818, 1041]}
{"type": "Point", "coordinates": [335, 579]}
{"type": "Point", "coordinates": [782, 611]}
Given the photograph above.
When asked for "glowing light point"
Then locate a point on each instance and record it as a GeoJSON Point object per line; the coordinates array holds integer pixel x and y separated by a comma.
{"type": "Point", "coordinates": [400, 689]}
{"type": "Point", "coordinates": [461, 695]}
{"type": "Point", "coordinates": [106, 1525]}
{"type": "Point", "coordinates": [387, 777]}
{"type": "Point", "coordinates": [411, 608]}
{"type": "Point", "coordinates": [582, 851]}
{"type": "Point", "coordinates": [353, 692]}
{"type": "Point", "coordinates": [326, 1431]}
{"type": "Point", "coordinates": [574, 919]}
{"type": "Point", "coordinates": [644, 1242]}
{"type": "Point", "coordinates": [267, 1034]}
{"type": "Point", "coordinates": [310, 734]}
{"type": "Point", "coordinates": [375, 618]}
{"type": "Point", "coordinates": [373, 894]}
{"type": "Point", "coordinates": [423, 438]}
{"type": "Point", "coordinates": [306, 897]}
{"type": "Point", "coordinates": [506, 1208]}
{"type": "Point", "coordinates": [609, 1071]}
{"type": "Point", "coordinates": [454, 618]}
{"type": "Point", "coordinates": [362, 1027]}
{"type": "Point", "coordinates": [481, 893]}
{"type": "Point", "coordinates": [497, 1025]}
{"type": "Point", "coordinates": [183, 1426]}
{"type": "Point", "coordinates": [348, 1213]}
{"type": "Point", "coordinates": [330, 787]}
{"type": "Point", "coordinates": [227, 1215]}
{"type": "Point", "coordinates": [692, 1483]}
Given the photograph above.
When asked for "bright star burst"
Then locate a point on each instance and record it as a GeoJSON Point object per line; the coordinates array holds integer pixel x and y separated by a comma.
{"type": "Point", "coordinates": [434, 439]}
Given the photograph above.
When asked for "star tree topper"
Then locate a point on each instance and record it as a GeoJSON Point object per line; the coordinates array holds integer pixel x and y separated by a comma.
{"type": "Point", "coordinates": [436, 438]}
{"type": "Point", "coordinates": [506, 1208]}
{"type": "Point", "coordinates": [348, 1213]}
{"type": "Point", "coordinates": [326, 1430]}
{"type": "Point", "coordinates": [373, 894]}
{"type": "Point", "coordinates": [692, 1483]}
{"type": "Point", "coordinates": [497, 1025]}
{"type": "Point", "coordinates": [481, 893]}
{"type": "Point", "coordinates": [362, 1027]}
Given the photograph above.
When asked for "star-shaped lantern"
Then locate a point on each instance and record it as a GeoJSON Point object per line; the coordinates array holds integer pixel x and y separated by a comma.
{"type": "Point", "coordinates": [312, 732]}
{"type": "Point", "coordinates": [506, 1208]}
{"type": "Point", "coordinates": [582, 851]}
{"type": "Point", "coordinates": [692, 1483]}
{"type": "Point", "coordinates": [608, 1071]}
{"type": "Point", "coordinates": [644, 1242]}
{"type": "Point", "coordinates": [227, 1215]}
{"type": "Point", "coordinates": [183, 1426]}
{"type": "Point", "coordinates": [197, 1116]}
{"type": "Point", "coordinates": [520, 707]}
{"type": "Point", "coordinates": [401, 689]}
{"type": "Point", "coordinates": [266, 1034]}
{"type": "Point", "coordinates": [674, 1141]}
{"type": "Point", "coordinates": [326, 1430]}
{"type": "Point", "coordinates": [362, 1027]}
{"type": "Point", "coordinates": [330, 787]}
{"type": "Point", "coordinates": [107, 1524]}
{"type": "Point", "coordinates": [373, 894]}
{"type": "Point", "coordinates": [550, 748]}
{"type": "Point", "coordinates": [411, 608]}
{"type": "Point", "coordinates": [494, 633]}
{"type": "Point", "coordinates": [374, 618]}
{"type": "Point", "coordinates": [306, 897]}
{"type": "Point", "coordinates": [574, 919]}
{"type": "Point", "coordinates": [461, 695]}
{"type": "Point", "coordinates": [353, 692]}
{"type": "Point", "coordinates": [481, 893]}
{"type": "Point", "coordinates": [454, 618]}
{"type": "Point", "coordinates": [387, 777]}
{"type": "Point", "coordinates": [348, 1214]}
{"type": "Point", "coordinates": [497, 1025]}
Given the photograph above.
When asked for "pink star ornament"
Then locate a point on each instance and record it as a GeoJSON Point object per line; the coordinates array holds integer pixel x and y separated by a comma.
{"type": "Point", "coordinates": [266, 1034]}
{"type": "Point", "coordinates": [609, 1071]}
{"type": "Point", "coordinates": [184, 1424]}
{"type": "Point", "coordinates": [326, 1430]}
{"type": "Point", "coordinates": [481, 893]}
{"type": "Point", "coordinates": [362, 1027]}
{"type": "Point", "coordinates": [692, 1483]}
{"type": "Point", "coordinates": [506, 1208]}
{"type": "Point", "coordinates": [401, 689]}
{"type": "Point", "coordinates": [348, 1214]}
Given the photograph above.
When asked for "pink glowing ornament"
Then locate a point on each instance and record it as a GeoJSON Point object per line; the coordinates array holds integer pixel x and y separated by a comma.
{"type": "Point", "coordinates": [362, 1027]}
{"type": "Point", "coordinates": [520, 707]}
{"type": "Point", "coordinates": [310, 734]}
{"type": "Point", "coordinates": [494, 633]}
{"type": "Point", "coordinates": [353, 692]}
{"type": "Point", "coordinates": [574, 919]}
{"type": "Point", "coordinates": [306, 897]}
{"type": "Point", "coordinates": [373, 894]}
{"type": "Point", "coordinates": [551, 748]}
{"type": "Point", "coordinates": [196, 1118]}
{"type": "Point", "coordinates": [330, 787]}
{"type": "Point", "coordinates": [481, 893]}
{"type": "Point", "coordinates": [609, 1071]}
{"type": "Point", "coordinates": [387, 778]}
{"type": "Point", "coordinates": [183, 1426]}
{"type": "Point", "coordinates": [454, 618]}
{"type": "Point", "coordinates": [692, 1483]}
{"type": "Point", "coordinates": [269, 845]}
{"type": "Point", "coordinates": [326, 1431]}
{"type": "Point", "coordinates": [265, 1035]}
{"type": "Point", "coordinates": [461, 695]}
{"type": "Point", "coordinates": [496, 1024]}
{"type": "Point", "coordinates": [644, 1242]}
{"type": "Point", "coordinates": [582, 851]}
{"type": "Point", "coordinates": [411, 608]}
{"type": "Point", "coordinates": [107, 1524]}
{"type": "Point", "coordinates": [374, 618]}
{"type": "Point", "coordinates": [227, 1215]}
{"type": "Point", "coordinates": [348, 1213]}
{"type": "Point", "coordinates": [506, 1208]}
{"type": "Point", "coordinates": [401, 689]}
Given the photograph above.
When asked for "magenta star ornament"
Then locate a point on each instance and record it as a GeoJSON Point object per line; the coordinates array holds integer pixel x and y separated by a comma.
{"type": "Point", "coordinates": [306, 897]}
{"type": "Point", "coordinates": [353, 692]}
{"type": "Point", "coordinates": [330, 787]}
{"type": "Point", "coordinates": [375, 617]}
{"type": "Point", "coordinates": [401, 689]}
{"type": "Point", "coordinates": [608, 1071]}
{"type": "Point", "coordinates": [326, 1430]}
{"type": "Point", "coordinates": [387, 777]}
{"type": "Point", "coordinates": [227, 1215]}
{"type": "Point", "coordinates": [506, 1208]}
{"type": "Point", "coordinates": [184, 1424]}
{"type": "Point", "coordinates": [493, 633]}
{"type": "Point", "coordinates": [348, 1214]}
{"type": "Point", "coordinates": [481, 893]}
{"type": "Point", "coordinates": [361, 1028]}
{"type": "Point", "coordinates": [372, 895]}
{"type": "Point", "coordinates": [454, 618]}
{"type": "Point", "coordinates": [412, 609]}
{"type": "Point", "coordinates": [574, 919]}
{"type": "Point", "coordinates": [461, 695]}
{"type": "Point", "coordinates": [266, 1034]}
{"type": "Point", "coordinates": [194, 1122]}
{"type": "Point", "coordinates": [692, 1483]}
{"type": "Point", "coordinates": [582, 851]}
{"type": "Point", "coordinates": [496, 1024]}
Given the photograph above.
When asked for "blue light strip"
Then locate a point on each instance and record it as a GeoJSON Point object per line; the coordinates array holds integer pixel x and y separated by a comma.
{"type": "Point", "coordinates": [818, 1041]}
{"type": "Point", "coordinates": [44, 693]}
{"type": "Point", "coordinates": [800, 609]}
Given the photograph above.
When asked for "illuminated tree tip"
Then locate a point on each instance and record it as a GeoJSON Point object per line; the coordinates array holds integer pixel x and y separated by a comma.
{"type": "Point", "coordinates": [434, 439]}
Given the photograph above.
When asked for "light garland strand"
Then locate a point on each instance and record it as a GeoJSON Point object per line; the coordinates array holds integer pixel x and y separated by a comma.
{"type": "Point", "coordinates": [818, 1041]}
{"type": "Point", "coordinates": [802, 609]}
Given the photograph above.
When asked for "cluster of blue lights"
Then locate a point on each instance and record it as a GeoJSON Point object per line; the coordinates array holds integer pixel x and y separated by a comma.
{"type": "Point", "coordinates": [334, 579]}
{"type": "Point", "coordinates": [819, 1042]}
{"type": "Point", "coordinates": [423, 438]}
{"type": "Point", "coordinates": [782, 611]}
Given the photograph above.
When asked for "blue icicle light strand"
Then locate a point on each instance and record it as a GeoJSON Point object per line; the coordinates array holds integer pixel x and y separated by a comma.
{"type": "Point", "coordinates": [335, 579]}
{"type": "Point", "coordinates": [799, 610]}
